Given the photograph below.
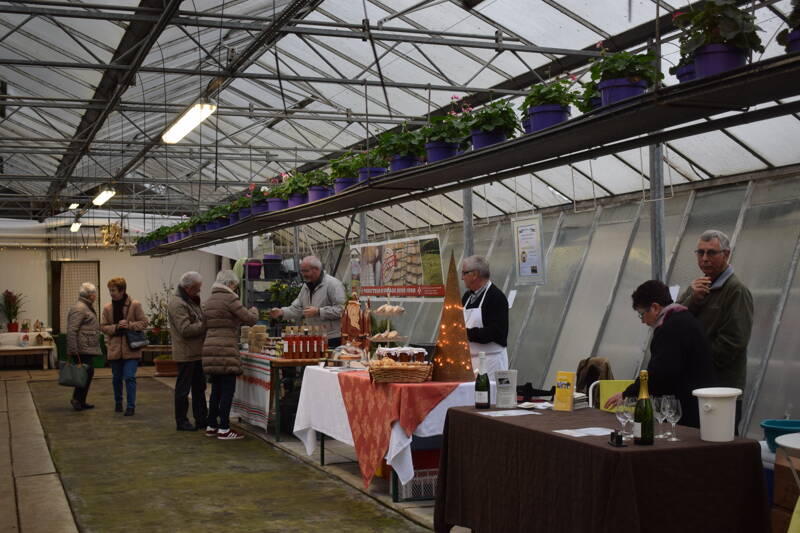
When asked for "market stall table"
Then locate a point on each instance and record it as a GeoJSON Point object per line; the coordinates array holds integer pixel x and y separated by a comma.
{"type": "Point", "coordinates": [42, 351]}
{"type": "Point", "coordinates": [516, 474]}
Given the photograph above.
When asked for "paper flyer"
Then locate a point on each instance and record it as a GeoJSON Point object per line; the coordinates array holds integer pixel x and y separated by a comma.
{"type": "Point", "coordinates": [565, 386]}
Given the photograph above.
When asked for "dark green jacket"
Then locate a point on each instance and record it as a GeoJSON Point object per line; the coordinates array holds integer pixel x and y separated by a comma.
{"type": "Point", "coordinates": [727, 316]}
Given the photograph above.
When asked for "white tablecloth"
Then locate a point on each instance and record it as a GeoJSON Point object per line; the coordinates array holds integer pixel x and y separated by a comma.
{"type": "Point", "coordinates": [321, 408]}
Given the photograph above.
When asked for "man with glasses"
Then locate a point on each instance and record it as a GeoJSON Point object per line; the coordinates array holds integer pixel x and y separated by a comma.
{"type": "Point", "coordinates": [320, 302]}
{"type": "Point", "coordinates": [724, 306]}
{"type": "Point", "coordinates": [485, 315]}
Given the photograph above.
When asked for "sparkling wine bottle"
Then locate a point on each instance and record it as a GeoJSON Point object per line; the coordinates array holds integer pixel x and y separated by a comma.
{"type": "Point", "coordinates": [482, 384]}
{"type": "Point", "coordinates": [643, 414]}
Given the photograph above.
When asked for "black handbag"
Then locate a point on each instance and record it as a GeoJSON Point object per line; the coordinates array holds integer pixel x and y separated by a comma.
{"type": "Point", "coordinates": [73, 375]}
{"type": "Point", "coordinates": [136, 339]}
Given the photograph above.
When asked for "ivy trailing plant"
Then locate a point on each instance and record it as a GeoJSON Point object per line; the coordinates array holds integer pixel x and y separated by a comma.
{"type": "Point", "coordinates": [718, 22]}
{"type": "Point", "coordinates": [557, 92]}
{"type": "Point", "coordinates": [493, 116]}
{"type": "Point", "coordinates": [794, 24]}
{"type": "Point", "coordinates": [401, 143]}
{"type": "Point", "coordinates": [624, 64]}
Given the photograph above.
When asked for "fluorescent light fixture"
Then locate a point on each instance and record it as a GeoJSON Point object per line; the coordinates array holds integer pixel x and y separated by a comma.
{"type": "Point", "coordinates": [74, 206]}
{"type": "Point", "coordinates": [104, 196]}
{"type": "Point", "coordinates": [188, 121]}
{"type": "Point", "coordinates": [75, 226]}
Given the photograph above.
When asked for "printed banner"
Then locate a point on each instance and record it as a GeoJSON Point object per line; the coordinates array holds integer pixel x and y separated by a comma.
{"type": "Point", "coordinates": [403, 268]}
{"type": "Point", "coordinates": [528, 251]}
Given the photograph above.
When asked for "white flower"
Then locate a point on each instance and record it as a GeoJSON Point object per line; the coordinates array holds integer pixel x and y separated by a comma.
{"type": "Point", "coordinates": [264, 189]}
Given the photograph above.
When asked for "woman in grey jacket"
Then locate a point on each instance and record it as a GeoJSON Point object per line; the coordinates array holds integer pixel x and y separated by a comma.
{"type": "Point", "coordinates": [83, 339]}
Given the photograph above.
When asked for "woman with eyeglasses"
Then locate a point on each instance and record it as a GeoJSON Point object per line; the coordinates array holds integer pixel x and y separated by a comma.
{"type": "Point", "coordinates": [680, 356]}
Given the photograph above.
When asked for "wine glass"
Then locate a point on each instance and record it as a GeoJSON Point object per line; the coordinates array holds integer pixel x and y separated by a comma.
{"type": "Point", "coordinates": [667, 402]}
{"type": "Point", "coordinates": [630, 407]}
{"type": "Point", "coordinates": [673, 416]}
{"type": "Point", "coordinates": [622, 418]}
{"type": "Point", "coordinates": [659, 415]}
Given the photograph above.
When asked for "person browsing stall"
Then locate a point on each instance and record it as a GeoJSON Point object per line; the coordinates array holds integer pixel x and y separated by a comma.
{"type": "Point", "coordinates": [83, 339]}
{"type": "Point", "coordinates": [485, 315]}
{"type": "Point", "coordinates": [680, 359]}
{"type": "Point", "coordinates": [320, 302]}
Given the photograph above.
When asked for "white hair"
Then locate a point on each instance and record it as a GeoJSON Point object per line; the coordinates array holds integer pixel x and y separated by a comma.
{"type": "Point", "coordinates": [228, 278]}
{"type": "Point", "coordinates": [312, 261]}
{"type": "Point", "coordinates": [479, 264]}
{"type": "Point", "coordinates": [190, 278]}
{"type": "Point", "coordinates": [724, 241]}
{"type": "Point", "coordinates": [87, 289]}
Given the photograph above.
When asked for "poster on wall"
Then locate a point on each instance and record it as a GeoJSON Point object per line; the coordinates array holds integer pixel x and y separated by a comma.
{"type": "Point", "coordinates": [408, 268]}
{"type": "Point", "coordinates": [528, 251]}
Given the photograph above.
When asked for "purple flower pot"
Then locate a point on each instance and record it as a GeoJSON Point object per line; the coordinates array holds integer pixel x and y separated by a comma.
{"type": "Point", "coordinates": [716, 58]}
{"type": "Point", "coordinates": [544, 116]}
{"type": "Point", "coordinates": [139, 247]}
{"type": "Point", "coordinates": [173, 237]}
{"type": "Point", "coordinates": [526, 125]}
{"type": "Point", "coordinates": [317, 192]}
{"type": "Point", "coordinates": [340, 184]}
{"type": "Point", "coordinates": [202, 227]}
{"type": "Point", "coordinates": [233, 218]}
{"type": "Point", "coordinates": [595, 102]}
{"type": "Point", "coordinates": [366, 173]}
{"type": "Point", "coordinates": [222, 222]}
{"type": "Point", "coordinates": [612, 91]}
{"type": "Point", "coordinates": [276, 204]}
{"type": "Point", "coordinates": [253, 270]}
{"type": "Point", "coordinates": [297, 198]}
{"type": "Point", "coordinates": [245, 212]}
{"type": "Point", "coordinates": [185, 234]}
{"type": "Point", "coordinates": [259, 207]}
{"type": "Point", "coordinates": [482, 138]}
{"type": "Point", "coordinates": [402, 162]}
{"type": "Point", "coordinates": [436, 151]}
{"type": "Point", "coordinates": [793, 41]}
{"type": "Point", "coordinates": [214, 224]}
{"type": "Point", "coordinates": [685, 73]}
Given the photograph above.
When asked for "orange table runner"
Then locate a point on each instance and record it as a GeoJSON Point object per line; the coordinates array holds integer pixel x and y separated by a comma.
{"type": "Point", "coordinates": [373, 407]}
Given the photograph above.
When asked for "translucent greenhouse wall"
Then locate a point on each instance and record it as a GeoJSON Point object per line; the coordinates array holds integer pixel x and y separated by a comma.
{"type": "Point", "coordinates": [596, 258]}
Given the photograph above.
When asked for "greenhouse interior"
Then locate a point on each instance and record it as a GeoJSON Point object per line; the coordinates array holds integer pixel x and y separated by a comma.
{"type": "Point", "coordinates": [421, 258]}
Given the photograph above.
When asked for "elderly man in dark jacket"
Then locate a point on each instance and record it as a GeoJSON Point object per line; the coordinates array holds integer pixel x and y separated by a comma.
{"type": "Point", "coordinates": [83, 339]}
{"type": "Point", "coordinates": [188, 329]}
{"type": "Point", "coordinates": [224, 316]}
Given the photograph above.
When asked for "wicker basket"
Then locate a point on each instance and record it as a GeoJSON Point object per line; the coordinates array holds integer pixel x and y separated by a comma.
{"type": "Point", "coordinates": [400, 373]}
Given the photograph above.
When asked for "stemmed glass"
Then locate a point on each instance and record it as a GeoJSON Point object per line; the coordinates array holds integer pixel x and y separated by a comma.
{"type": "Point", "coordinates": [657, 402]}
{"type": "Point", "coordinates": [622, 417]}
{"type": "Point", "coordinates": [672, 409]}
{"type": "Point", "coordinates": [630, 407]}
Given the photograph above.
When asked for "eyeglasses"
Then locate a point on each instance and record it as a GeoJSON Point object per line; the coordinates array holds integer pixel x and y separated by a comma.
{"type": "Point", "coordinates": [465, 272]}
{"type": "Point", "coordinates": [641, 313]}
{"type": "Point", "coordinates": [709, 253]}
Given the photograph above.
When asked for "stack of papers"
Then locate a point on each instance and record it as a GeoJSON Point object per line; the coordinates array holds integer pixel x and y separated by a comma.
{"type": "Point", "coordinates": [584, 432]}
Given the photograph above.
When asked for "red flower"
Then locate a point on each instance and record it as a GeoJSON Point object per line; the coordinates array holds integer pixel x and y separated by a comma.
{"type": "Point", "coordinates": [599, 44]}
{"type": "Point", "coordinates": [252, 187]}
{"type": "Point", "coordinates": [677, 14]}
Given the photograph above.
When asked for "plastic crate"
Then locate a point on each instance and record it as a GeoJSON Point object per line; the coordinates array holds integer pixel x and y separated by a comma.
{"type": "Point", "coordinates": [421, 487]}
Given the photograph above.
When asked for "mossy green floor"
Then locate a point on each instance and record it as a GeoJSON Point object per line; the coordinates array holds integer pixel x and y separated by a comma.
{"type": "Point", "coordinates": [139, 474]}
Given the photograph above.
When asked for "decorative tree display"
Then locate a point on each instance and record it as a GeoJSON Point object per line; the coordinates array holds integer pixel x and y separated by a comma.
{"type": "Point", "coordinates": [452, 360]}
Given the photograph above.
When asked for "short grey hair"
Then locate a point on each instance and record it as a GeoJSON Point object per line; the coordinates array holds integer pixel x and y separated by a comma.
{"type": "Point", "coordinates": [312, 261]}
{"type": "Point", "coordinates": [479, 264]}
{"type": "Point", "coordinates": [190, 278]}
{"type": "Point", "coordinates": [227, 278]}
{"type": "Point", "coordinates": [87, 289]}
{"type": "Point", "coordinates": [709, 234]}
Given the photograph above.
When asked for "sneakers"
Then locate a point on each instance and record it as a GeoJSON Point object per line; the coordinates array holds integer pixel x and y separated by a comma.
{"type": "Point", "coordinates": [211, 432]}
{"type": "Point", "coordinates": [229, 435]}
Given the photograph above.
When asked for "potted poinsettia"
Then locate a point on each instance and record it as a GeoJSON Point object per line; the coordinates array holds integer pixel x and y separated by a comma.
{"type": "Point", "coordinates": [719, 34]}
{"type": "Point", "coordinates": [445, 134]}
{"type": "Point", "coordinates": [319, 184]}
{"type": "Point", "coordinates": [547, 104]}
{"type": "Point", "coordinates": [344, 171]}
{"type": "Point", "coordinates": [493, 123]}
{"type": "Point", "coordinates": [403, 148]}
{"type": "Point", "coordinates": [624, 75]}
{"type": "Point", "coordinates": [790, 37]}
{"type": "Point", "coordinates": [11, 306]}
{"type": "Point", "coordinates": [370, 164]}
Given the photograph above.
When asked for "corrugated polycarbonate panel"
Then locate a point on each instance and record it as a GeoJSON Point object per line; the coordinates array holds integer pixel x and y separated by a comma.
{"type": "Point", "coordinates": [572, 183]}
{"type": "Point", "coordinates": [778, 149]}
{"type": "Point", "coordinates": [717, 153]}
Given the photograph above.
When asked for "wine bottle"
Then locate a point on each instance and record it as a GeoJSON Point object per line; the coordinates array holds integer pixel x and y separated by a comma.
{"type": "Point", "coordinates": [643, 414]}
{"type": "Point", "coordinates": [482, 384]}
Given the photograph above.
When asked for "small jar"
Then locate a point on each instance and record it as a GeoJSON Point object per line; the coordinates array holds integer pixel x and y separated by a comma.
{"type": "Point", "coordinates": [393, 356]}
{"type": "Point", "coordinates": [419, 356]}
{"type": "Point", "coordinates": [405, 357]}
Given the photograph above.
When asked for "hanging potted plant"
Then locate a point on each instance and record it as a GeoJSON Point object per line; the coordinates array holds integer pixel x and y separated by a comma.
{"type": "Point", "coordinates": [403, 148]}
{"type": "Point", "coordinates": [719, 34]}
{"type": "Point", "coordinates": [298, 189]}
{"type": "Point", "coordinates": [444, 135]}
{"type": "Point", "coordinates": [493, 123]}
{"type": "Point", "coordinates": [370, 164]}
{"type": "Point", "coordinates": [258, 199]}
{"type": "Point", "coordinates": [319, 184]}
{"type": "Point", "coordinates": [547, 104]}
{"type": "Point", "coordinates": [11, 306]}
{"type": "Point", "coordinates": [344, 171]}
{"type": "Point", "coordinates": [589, 98]}
{"type": "Point", "coordinates": [277, 196]}
{"type": "Point", "coordinates": [684, 70]}
{"type": "Point", "coordinates": [624, 75]}
{"type": "Point", "coordinates": [790, 37]}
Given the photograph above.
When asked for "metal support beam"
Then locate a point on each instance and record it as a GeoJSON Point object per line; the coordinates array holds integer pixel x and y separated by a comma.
{"type": "Point", "coordinates": [296, 248]}
{"type": "Point", "coordinates": [362, 227]}
{"type": "Point", "coordinates": [469, 238]}
{"type": "Point", "coordinates": [657, 238]}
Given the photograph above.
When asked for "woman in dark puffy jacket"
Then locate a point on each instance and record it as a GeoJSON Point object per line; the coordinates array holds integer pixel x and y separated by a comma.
{"type": "Point", "coordinates": [224, 315]}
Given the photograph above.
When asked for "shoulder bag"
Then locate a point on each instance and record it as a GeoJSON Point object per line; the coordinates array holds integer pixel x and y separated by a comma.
{"type": "Point", "coordinates": [136, 339]}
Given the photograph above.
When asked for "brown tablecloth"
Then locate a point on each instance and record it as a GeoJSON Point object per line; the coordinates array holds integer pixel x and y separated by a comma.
{"type": "Point", "coordinates": [515, 474]}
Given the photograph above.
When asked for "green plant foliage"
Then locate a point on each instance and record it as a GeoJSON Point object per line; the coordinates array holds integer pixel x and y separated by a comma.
{"type": "Point", "coordinates": [297, 184]}
{"type": "Point", "coordinates": [373, 158]}
{"type": "Point", "coordinates": [557, 92]}
{"type": "Point", "coordinates": [495, 115]}
{"type": "Point", "coordinates": [448, 128]}
{"type": "Point", "coordinates": [584, 101]}
{"type": "Point", "coordinates": [11, 304]}
{"type": "Point", "coordinates": [402, 143]}
{"type": "Point", "coordinates": [344, 166]}
{"type": "Point", "coordinates": [158, 313]}
{"type": "Point", "coordinates": [318, 178]}
{"type": "Point", "coordinates": [626, 65]}
{"type": "Point", "coordinates": [794, 24]}
{"type": "Point", "coordinates": [718, 22]}
{"type": "Point", "coordinates": [282, 294]}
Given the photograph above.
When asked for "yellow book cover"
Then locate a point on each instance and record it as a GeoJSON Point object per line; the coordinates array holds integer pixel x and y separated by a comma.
{"type": "Point", "coordinates": [565, 387]}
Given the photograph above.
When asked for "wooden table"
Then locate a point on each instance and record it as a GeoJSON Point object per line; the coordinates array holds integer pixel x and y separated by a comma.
{"type": "Point", "coordinates": [44, 351]}
{"type": "Point", "coordinates": [510, 474]}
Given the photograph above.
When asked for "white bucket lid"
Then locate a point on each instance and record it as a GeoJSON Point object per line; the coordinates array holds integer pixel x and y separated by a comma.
{"type": "Point", "coordinates": [717, 392]}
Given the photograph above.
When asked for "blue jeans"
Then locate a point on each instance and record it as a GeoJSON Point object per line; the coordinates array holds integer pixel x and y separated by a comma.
{"type": "Point", "coordinates": [219, 409]}
{"type": "Point", "coordinates": [124, 369]}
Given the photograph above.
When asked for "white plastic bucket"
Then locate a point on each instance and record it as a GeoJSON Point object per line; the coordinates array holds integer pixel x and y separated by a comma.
{"type": "Point", "coordinates": [717, 407]}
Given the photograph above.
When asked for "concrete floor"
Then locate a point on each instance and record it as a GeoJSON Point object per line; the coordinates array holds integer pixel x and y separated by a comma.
{"type": "Point", "coordinates": [138, 473]}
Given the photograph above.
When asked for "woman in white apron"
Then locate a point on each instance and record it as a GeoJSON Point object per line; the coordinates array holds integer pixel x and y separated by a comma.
{"type": "Point", "coordinates": [475, 273]}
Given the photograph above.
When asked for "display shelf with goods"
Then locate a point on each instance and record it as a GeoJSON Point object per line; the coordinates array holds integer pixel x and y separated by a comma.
{"type": "Point", "coordinates": [664, 114]}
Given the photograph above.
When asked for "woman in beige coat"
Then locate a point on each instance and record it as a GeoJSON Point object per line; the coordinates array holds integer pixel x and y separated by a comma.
{"type": "Point", "coordinates": [83, 339]}
{"type": "Point", "coordinates": [224, 315]}
{"type": "Point", "coordinates": [120, 315]}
